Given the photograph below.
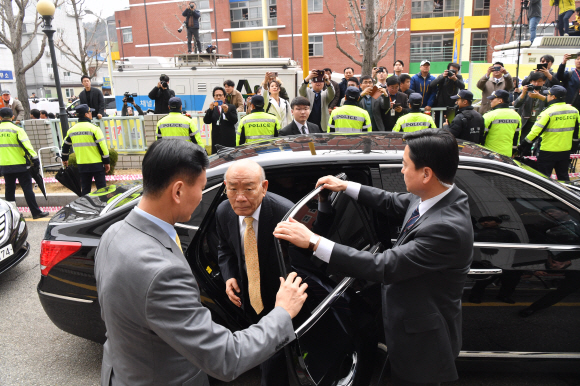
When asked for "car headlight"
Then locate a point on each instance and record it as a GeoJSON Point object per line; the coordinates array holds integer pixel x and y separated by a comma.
{"type": "Point", "coordinates": [15, 215]}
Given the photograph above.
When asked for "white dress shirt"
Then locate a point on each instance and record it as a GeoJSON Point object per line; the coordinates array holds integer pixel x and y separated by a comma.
{"type": "Point", "coordinates": [301, 126]}
{"type": "Point", "coordinates": [256, 216]}
{"type": "Point", "coordinates": [167, 227]}
{"type": "Point", "coordinates": [326, 246]}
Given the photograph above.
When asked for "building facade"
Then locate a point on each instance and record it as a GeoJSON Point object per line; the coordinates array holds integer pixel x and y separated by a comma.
{"type": "Point", "coordinates": [425, 31]}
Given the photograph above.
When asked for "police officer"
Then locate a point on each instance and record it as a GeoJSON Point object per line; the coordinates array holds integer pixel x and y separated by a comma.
{"type": "Point", "coordinates": [16, 154]}
{"type": "Point", "coordinates": [468, 124]}
{"type": "Point", "coordinates": [502, 125]}
{"type": "Point", "coordinates": [350, 118]}
{"type": "Point", "coordinates": [558, 127]}
{"type": "Point", "coordinates": [258, 124]}
{"type": "Point", "coordinates": [90, 148]}
{"type": "Point", "coordinates": [415, 120]}
{"type": "Point", "coordinates": [178, 126]}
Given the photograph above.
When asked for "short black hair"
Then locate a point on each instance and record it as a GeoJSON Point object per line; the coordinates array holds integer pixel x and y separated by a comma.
{"type": "Point", "coordinates": [403, 78]}
{"type": "Point", "coordinates": [436, 149]}
{"type": "Point", "coordinates": [218, 88]}
{"type": "Point", "coordinates": [328, 69]}
{"type": "Point", "coordinates": [51, 116]}
{"type": "Point", "coordinates": [164, 78]}
{"type": "Point", "coordinates": [348, 68]}
{"type": "Point", "coordinates": [393, 80]}
{"type": "Point", "coordinates": [537, 76]}
{"type": "Point", "coordinates": [85, 76]}
{"type": "Point", "coordinates": [399, 61]}
{"type": "Point", "coordinates": [500, 63]}
{"type": "Point", "coordinates": [453, 64]}
{"type": "Point", "coordinates": [168, 159]}
{"type": "Point", "coordinates": [300, 101]}
{"type": "Point", "coordinates": [229, 82]}
{"type": "Point", "coordinates": [354, 79]}
{"type": "Point", "coordinates": [43, 112]}
{"type": "Point", "coordinates": [35, 113]}
{"type": "Point", "coordinates": [365, 77]}
{"type": "Point", "coordinates": [548, 58]}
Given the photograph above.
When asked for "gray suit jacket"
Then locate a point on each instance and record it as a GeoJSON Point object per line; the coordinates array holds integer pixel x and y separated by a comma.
{"type": "Point", "coordinates": [379, 106]}
{"type": "Point", "coordinates": [158, 332]}
{"type": "Point", "coordinates": [423, 277]}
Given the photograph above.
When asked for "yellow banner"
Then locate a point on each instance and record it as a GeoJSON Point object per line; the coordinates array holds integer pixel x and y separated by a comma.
{"type": "Point", "coordinates": [457, 41]}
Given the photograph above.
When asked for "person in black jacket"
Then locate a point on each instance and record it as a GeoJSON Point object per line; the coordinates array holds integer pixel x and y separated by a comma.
{"type": "Point", "coordinates": [161, 95]}
{"type": "Point", "coordinates": [223, 118]}
{"type": "Point", "coordinates": [92, 97]}
{"type": "Point", "coordinates": [192, 24]}
{"type": "Point", "coordinates": [468, 124]}
{"type": "Point", "coordinates": [551, 78]}
{"type": "Point", "coordinates": [449, 83]}
{"type": "Point", "coordinates": [130, 110]}
{"type": "Point", "coordinates": [398, 103]}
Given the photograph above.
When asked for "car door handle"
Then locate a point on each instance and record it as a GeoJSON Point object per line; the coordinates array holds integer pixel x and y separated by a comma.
{"type": "Point", "coordinates": [485, 271]}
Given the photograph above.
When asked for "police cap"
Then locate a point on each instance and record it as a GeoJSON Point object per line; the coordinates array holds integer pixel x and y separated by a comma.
{"type": "Point", "coordinates": [464, 94]}
{"type": "Point", "coordinates": [352, 93]}
{"type": "Point", "coordinates": [503, 94]}
{"type": "Point", "coordinates": [174, 103]}
{"type": "Point", "coordinates": [258, 101]}
{"type": "Point", "coordinates": [557, 91]}
{"type": "Point", "coordinates": [416, 98]}
{"type": "Point", "coordinates": [83, 109]}
{"type": "Point", "coordinates": [6, 112]}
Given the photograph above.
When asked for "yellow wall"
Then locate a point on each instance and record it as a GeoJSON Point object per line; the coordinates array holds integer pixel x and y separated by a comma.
{"type": "Point", "coordinates": [252, 36]}
{"type": "Point", "coordinates": [448, 23]}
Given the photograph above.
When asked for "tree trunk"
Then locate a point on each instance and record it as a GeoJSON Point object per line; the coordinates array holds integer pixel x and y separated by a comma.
{"type": "Point", "coordinates": [369, 53]}
{"type": "Point", "coordinates": [82, 55]}
{"type": "Point", "coordinates": [21, 82]}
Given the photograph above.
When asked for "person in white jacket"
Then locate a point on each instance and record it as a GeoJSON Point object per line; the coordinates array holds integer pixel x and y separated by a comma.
{"type": "Point", "coordinates": [277, 106]}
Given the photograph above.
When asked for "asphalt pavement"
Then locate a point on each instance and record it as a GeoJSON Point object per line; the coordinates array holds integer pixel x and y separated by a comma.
{"type": "Point", "coordinates": [35, 352]}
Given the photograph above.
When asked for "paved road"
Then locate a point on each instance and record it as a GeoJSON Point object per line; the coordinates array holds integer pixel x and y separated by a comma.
{"type": "Point", "coordinates": [34, 352]}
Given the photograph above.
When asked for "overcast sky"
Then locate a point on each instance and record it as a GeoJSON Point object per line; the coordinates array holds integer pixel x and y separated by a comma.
{"type": "Point", "coordinates": [106, 7]}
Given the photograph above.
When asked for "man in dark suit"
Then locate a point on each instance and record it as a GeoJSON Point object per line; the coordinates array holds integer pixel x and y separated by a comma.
{"type": "Point", "coordinates": [246, 251]}
{"type": "Point", "coordinates": [398, 103]}
{"type": "Point", "coordinates": [300, 125]}
{"type": "Point", "coordinates": [423, 274]}
{"type": "Point", "coordinates": [92, 97]}
{"type": "Point", "coordinates": [223, 118]}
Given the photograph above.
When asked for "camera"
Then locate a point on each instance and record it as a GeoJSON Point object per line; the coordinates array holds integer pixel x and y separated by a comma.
{"type": "Point", "coordinates": [211, 49]}
{"type": "Point", "coordinates": [164, 79]}
{"type": "Point", "coordinates": [451, 72]}
{"type": "Point", "coordinates": [497, 68]}
{"type": "Point", "coordinates": [181, 28]}
{"type": "Point", "coordinates": [129, 97]}
{"type": "Point", "coordinates": [381, 69]}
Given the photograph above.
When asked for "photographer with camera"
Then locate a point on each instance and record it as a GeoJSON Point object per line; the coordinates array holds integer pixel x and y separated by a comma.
{"type": "Point", "coordinates": [192, 24]}
{"type": "Point", "coordinates": [500, 80]}
{"type": "Point", "coordinates": [545, 67]}
{"type": "Point", "coordinates": [380, 75]}
{"type": "Point", "coordinates": [531, 102]}
{"type": "Point", "coordinates": [448, 85]}
{"type": "Point", "coordinates": [129, 111]}
{"type": "Point", "coordinates": [161, 95]}
{"type": "Point", "coordinates": [571, 79]}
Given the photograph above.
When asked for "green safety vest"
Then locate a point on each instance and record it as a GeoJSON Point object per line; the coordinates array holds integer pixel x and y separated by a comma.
{"type": "Point", "coordinates": [414, 122]}
{"type": "Point", "coordinates": [556, 125]}
{"type": "Point", "coordinates": [502, 130]}
{"type": "Point", "coordinates": [15, 147]}
{"type": "Point", "coordinates": [88, 143]}
{"type": "Point", "coordinates": [349, 119]}
{"type": "Point", "coordinates": [257, 126]}
{"type": "Point", "coordinates": [178, 126]}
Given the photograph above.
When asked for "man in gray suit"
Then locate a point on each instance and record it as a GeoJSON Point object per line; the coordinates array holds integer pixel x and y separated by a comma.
{"type": "Point", "coordinates": [424, 273]}
{"type": "Point", "coordinates": [158, 332]}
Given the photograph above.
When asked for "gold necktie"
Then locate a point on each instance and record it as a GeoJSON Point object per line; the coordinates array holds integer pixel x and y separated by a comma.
{"type": "Point", "coordinates": [252, 265]}
{"type": "Point", "coordinates": [178, 242]}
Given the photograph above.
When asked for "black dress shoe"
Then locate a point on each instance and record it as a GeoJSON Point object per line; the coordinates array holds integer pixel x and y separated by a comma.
{"type": "Point", "coordinates": [526, 312]}
{"type": "Point", "coordinates": [506, 300]}
{"type": "Point", "coordinates": [40, 215]}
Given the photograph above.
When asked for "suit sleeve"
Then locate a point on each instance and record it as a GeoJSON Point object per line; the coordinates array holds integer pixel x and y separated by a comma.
{"type": "Point", "coordinates": [460, 84]}
{"type": "Point", "coordinates": [438, 80]}
{"type": "Point", "coordinates": [101, 109]}
{"type": "Point", "coordinates": [302, 90]}
{"type": "Point", "coordinates": [207, 117]}
{"type": "Point", "coordinates": [18, 110]}
{"type": "Point", "coordinates": [392, 204]}
{"type": "Point", "coordinates": [175, 313]}
{"type": "Point", "coordinates": [232, 114]}
{"type": "Point", "coordinates": [227, 259]}
{"type": "Point", "coordinates": [100, 141]}
{"type": "Point", "coordinates": [330, 93]}
{"type": "Point", "coordinates": [509, 83]}
{"type": "Point", "coordinates": [526, 81]}
{"type": "Point", "coordinates": [481, 83]}
{"type": "Point", "coordinates": [336, 99]}
{"type": "Point", "coordinates": [66, 146]}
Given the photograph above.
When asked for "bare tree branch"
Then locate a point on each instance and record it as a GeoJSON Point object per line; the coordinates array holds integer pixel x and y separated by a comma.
{"type": "Point", "coordinates": [36, 59]}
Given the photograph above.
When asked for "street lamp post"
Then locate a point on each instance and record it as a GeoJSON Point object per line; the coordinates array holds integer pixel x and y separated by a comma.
{"type": "Point", "coordinates": [46, 9]}
{"type": "Point", "coordinates": [109, 61]}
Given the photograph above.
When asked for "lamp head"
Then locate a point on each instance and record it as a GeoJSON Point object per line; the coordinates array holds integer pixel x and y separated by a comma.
{"type": "Point", "coordinates": [45, 8]}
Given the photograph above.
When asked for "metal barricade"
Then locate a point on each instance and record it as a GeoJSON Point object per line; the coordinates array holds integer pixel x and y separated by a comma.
{"type": "Point", "coordinates": [58, 156]}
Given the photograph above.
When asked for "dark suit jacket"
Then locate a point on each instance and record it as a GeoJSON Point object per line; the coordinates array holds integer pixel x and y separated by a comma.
{"type": "Point", "coordinates": [423, 277]}
{"type": "Point", "coordinates": [223, 126]}
{"type": "Point", "coordinates": [94, 99]}
{"type": "Point", "coordinates": [390, 121]}
{"type": "Point", "coordinates": [232, 262]}
{"type": "Point", "coordinates": [292, 129]}
{"type": "Point", "coordinates": [378, 107]}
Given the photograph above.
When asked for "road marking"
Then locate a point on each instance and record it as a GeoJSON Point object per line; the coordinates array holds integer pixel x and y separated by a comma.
{"type": "Point", "coordinates": [38, 219]}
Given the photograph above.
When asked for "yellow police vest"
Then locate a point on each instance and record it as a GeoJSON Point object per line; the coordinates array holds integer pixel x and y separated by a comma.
{"type": "Point", "coordinates": [503, 127]}
{"type": "Point", "coordinates": [178, 126]}
{"type": "Point", "coordinates": [349, 119]}
{"type": "Point", "coordinates": [414, 122]}
{"type": "Point", "coordinates": [556, 126]}
{"type": "Point", "coordinates": [14, 149]}
{"type": "Point", "coordinates": [88, 143]}
{"type": "Point", "coordinates": [257, 126]}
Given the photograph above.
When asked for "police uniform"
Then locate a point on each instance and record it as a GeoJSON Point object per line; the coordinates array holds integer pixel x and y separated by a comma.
{"type": "Point", "coordinates": [178, 126]}
{"type": "Point", "coordinates": [558, 127]}
{"type": "Point", "coordinates": [502, 126]}
{"type": "Point", "coordinates": [90, 149]}
{"type": "Point", "coordinates": [350, 118]}
{"type": "Point", "coordinates": [16, 156]}
{"type": "Point", "coordinates": [257, 125]}
{"type": "Point", "coordinates": [415, 120]}
{"type": "Point", "coordinates": [468, 124]}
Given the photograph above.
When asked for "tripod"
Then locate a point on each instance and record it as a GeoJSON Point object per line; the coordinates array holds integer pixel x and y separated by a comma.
{"type": "Point", "coordinates": [523, 9]}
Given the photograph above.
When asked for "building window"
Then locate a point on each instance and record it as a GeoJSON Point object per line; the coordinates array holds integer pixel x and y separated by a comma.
{"type": "Point", "coordinates": [315, 46]}
{"type": "Point", "coordinates": [435, 48]}
{"type": "Point", "coordinates": [245, 14]}
{"type": "Point", "coordinates": [254, 50]}
{"type": "Point", "coordinates": [481, 8]}
{"type": "Point", "coordinates": [478, 46]}
{"type": "Point", "coordinates": [127, 35]}
{"type": "Point", "coordinates": [66, 75]}
{"type": "Point", "coordinates": [48, 93]}
{"type": "Point", "coordinates": [203, 4]}
{"type": "Point", "coordinates": [434, 8]}
{"type": "Point", "coordinates": [205, 40]}
{"type": "Point", "coordinates": [314, 5]}
{"type": "Point", "coordinates": [205, 21]}
{"type": "Point", "coordinates": [70, 92]}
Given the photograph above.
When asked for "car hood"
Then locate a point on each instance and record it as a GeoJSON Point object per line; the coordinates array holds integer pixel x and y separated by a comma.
{"type": "Point", "coordinates": [90, 206]}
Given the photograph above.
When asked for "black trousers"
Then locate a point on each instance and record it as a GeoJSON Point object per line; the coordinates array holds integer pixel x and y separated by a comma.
{"type": "Point", "coordinates": [26, 184]}
{"type": "Point", "coordinates": [558, 161]}
{"type": "Point", "coordinates": [274, 371]}
{"type": "Point", "coordinates": [195, 33]}
{"type": "Point", "coordinates": [396, 381]}
{"type": "Point", "coordinates": [87, 180]}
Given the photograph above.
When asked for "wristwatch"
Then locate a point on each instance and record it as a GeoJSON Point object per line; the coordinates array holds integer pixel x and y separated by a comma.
{"type": "Point", "coordinates": [314, 239]}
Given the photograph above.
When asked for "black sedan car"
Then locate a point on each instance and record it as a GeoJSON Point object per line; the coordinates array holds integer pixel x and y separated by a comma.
{"type": "Point", "coordinates": [13, 233]}
{"type": "Point", "coordinates": [521, 303]}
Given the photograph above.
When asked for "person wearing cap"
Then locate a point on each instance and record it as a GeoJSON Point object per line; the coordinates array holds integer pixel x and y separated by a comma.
{"type": "Point", "coordinates": [571, 80]}
{"type": "Point", "coordinates": [558, 127]}
{"type": "Point", "coordinates": [178, 126]}
{"type": "Point", "coordinates": [531, 101]}
{"type": "Point", "coordinates": [502, 124]}
{"type": "Point", "coordinates": [421, 83]}
{"type": "Point", "coordinates": [91, 150]}
{"type": "Point", "coordinates": [257, 125]}
{"type": "Point", "coordinates": [398, 103]}
{"type": "Point", "coordinates": [319, 98]}
{"type": "Point", "coordinates": [350, 118]}
{"type": "Point", "coordinates": [14, 104]}
{"type": "Point", "coordinates": [468, 124]}
{"type": "Point", "coordinates": [415, 120]}
{"type": "Point", "coordinates": [16, 157]}
{"type": "Point", "coordinates": [500, 80]}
